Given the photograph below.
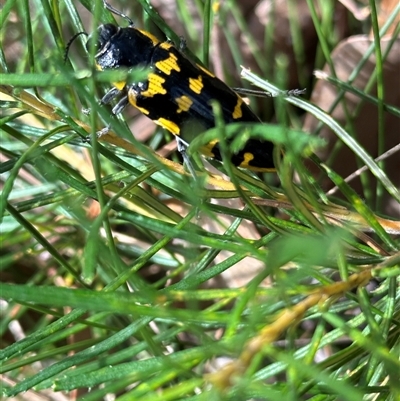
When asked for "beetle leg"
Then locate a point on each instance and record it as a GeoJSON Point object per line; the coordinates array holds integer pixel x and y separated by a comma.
{"type": "Point", "coordinates": [117, 109]}
{"type": "Point", "coordinates": [182, 146]}
{"type": "Point", "coordinates": [110, 95]}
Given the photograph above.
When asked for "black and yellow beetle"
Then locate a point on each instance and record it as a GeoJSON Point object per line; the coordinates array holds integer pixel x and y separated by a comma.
{"type": "Point", "coordinates": [177, 93]}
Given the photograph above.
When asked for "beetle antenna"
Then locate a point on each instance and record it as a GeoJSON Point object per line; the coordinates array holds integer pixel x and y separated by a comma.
{"type": "Point", "coordinates": [109, 7]}
{"type": "Point", "coordinates": [70, 43]}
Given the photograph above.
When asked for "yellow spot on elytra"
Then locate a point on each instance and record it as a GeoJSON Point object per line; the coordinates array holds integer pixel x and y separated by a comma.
{"type": "Point", "coordinates": [169, 125]}
{"type": "Point", "coordinates": [119, 85]}
{"type": "Point", "coordinates": [169, 64]}
{"type": "Point", "coordinates": [184, 103]}
{"type": "Point", "coordinates": [196, 84]}
{"type": "Point", "coordinates": [247, 158]}
{"type": "Point", "coordinates": [150, 36]}
{"type": "Point", "coordinates": [205, 70]}
{"type": "Point", "coordinates": [237, 112]}
{"type": "Point", "coordinates": [166, 45]}
{"type": "Point", "coordinates": [132, 101]}
{"type": "Point", "coordinates": [207, 149]}
{"type": "Point", "coordinates": [155, 86]}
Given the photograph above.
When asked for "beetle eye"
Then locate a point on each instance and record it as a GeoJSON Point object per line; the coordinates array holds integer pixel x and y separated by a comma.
{"type": "Point", "coordinates": [104, 34]}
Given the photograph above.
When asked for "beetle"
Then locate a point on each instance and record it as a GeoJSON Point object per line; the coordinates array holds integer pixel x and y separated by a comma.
{"type": "Point", "coordinates": [177, 93]}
